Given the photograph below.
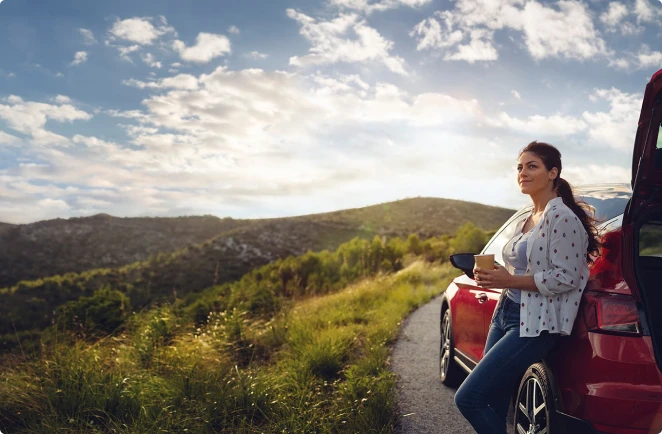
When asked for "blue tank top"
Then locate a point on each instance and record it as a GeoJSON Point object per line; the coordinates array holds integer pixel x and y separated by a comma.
{"type": "Point", "coordinates": [515, 256]}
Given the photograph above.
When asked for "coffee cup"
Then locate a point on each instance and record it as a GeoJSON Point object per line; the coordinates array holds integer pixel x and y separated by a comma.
{"type": "Point", "coordinates": [486, 262]}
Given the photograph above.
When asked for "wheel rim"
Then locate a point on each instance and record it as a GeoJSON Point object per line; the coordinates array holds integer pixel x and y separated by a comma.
{"type": "Point", "coordinates": [531, 412]}
{"type": "Point", "coordinates": [445, 345]}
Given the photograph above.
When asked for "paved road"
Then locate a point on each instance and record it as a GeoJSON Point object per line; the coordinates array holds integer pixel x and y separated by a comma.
{"type": "Point", "coordinates": [423, 403]}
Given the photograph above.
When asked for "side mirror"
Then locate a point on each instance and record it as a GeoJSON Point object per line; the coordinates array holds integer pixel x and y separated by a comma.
{"type": "Point", "coordinates": [464, 262]}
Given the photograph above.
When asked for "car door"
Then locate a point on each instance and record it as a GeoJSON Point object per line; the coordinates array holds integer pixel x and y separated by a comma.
{"type": "Point", "coordinates": [472, 306]}
{"type": "Point", "coordinates": [468, 313]}
{"type": "Point", "coordinates": [495, 246]}
{"type": "Point", "coordinates": [641, 238]}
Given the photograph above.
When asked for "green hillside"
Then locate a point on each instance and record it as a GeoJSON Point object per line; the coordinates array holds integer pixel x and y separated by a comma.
{"type": "Point", "coordinates": [298, 345]}
{"type": "Point", "coordinates": [59, 246]}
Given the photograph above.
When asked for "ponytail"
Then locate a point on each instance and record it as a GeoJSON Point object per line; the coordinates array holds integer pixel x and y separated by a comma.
{"type": "Point", "coordinates": [585, 215]}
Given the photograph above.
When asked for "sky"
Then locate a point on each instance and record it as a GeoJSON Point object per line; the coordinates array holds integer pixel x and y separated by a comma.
{"type": "Point", "coordinates": [270, 108]}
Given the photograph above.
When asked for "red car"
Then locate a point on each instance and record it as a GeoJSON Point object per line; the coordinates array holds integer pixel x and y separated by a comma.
{"type": "Point", "coordinates": [606, 377]}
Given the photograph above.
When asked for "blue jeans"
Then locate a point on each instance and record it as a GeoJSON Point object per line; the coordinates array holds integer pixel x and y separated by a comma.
{"type": "Point", "coordinates": [484, 396]}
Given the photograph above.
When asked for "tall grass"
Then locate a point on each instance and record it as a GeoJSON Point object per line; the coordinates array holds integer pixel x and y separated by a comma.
{"type": "Point", "coordinates": [319, 366]}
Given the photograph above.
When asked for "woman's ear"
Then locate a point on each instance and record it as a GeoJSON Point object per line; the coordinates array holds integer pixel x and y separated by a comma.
{"type": "Point", "coordinates": [553, 174]}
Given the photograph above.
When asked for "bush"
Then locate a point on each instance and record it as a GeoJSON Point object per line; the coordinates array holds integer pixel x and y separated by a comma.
{"type": "Point", "coordinates": [101, 314]}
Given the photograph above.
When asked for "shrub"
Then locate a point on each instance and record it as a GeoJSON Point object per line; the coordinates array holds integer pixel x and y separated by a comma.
{"type": "Point", "coordinates": [100, 314]}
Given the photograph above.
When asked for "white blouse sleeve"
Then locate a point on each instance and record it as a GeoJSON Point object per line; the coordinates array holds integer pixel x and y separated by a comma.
{"type": "Point", "coordinates": [567, 254]}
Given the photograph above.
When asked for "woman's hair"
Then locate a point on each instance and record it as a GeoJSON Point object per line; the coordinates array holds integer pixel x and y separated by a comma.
{"type": "Point", "coordinates": [551, 157]}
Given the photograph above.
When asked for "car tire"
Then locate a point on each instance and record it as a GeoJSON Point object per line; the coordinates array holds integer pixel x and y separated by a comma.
{"type": "Point", "coordinates": [534, 402]}
{"type": "Point", "coordinates": [450, 373]}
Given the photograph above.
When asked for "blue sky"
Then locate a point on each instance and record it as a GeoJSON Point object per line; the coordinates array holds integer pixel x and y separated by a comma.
{"type": "Point", "coordinates": [250, 108]}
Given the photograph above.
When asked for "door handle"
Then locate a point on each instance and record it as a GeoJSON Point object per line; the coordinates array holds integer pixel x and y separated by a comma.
{"type": "Point", "coordinates": [482, 297]}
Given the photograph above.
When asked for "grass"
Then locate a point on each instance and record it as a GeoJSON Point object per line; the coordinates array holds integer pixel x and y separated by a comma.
{"type": "Point", "coordinates": [319, 366]}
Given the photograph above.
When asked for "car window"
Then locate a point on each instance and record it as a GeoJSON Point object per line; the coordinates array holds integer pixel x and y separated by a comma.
{"type": "Point", "coordinates": [650, 237]}
{"type": "Point", "coordinates": [502, 237]}
{"type": "Point", "coordinates": [608, 206]}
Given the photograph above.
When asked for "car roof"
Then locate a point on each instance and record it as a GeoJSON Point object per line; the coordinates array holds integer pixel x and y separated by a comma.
{"type": "Point", "coordinates": [595, 190]}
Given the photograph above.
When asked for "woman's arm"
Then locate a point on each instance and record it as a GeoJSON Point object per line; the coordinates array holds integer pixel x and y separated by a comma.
{"type": "Point", "coordinates": [525, 283]}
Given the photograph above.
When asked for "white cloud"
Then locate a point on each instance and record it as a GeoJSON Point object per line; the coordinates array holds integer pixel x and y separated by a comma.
{"type": "Point", "coordinates": [8, 139]}
{"type": "Point", "coordinates": [614, 19]}
{"type": "Point", "coordinates": [207, 47]}
{"type": "Point", "coordinates": [614, 15]}
{"type": "Point", "coordinates": [331, 43]}
{"type": "Point", "coordinates": [257, 55]}
{"type": "Point", "coordinates": [244, 136]}
{"type": "Point", "coordinates": [516, 94]}
{"type": "Point", "coordinates": [55, 204]}
{"type": "Point", "coordinates": [234, 30]}
{"type": "Point", "coordinates": [31, 117]}
{"type": "Point", "coordinates": [88, 36]}
{"type": "Point", "coordinates": [11, 75]}
{"type": "Point", "coordinates": [433, 34]}
{"type": "Point", "coordinates": [646, 13]}
{"type": "Point", "coordinates": [59, 75]}
{"type": "Point", "coordinates": [139, 30]}
{"type": "Point", "coordinates": [480, 48]}
{"type": "Point", "coordinates": [615, 128]}
{"type": "Point", "coordinates": [125, 51]}
{"type": "Point", "coordinates": [181, 81]}
{"type": "Point", "coordinates": [369, 6]}
{"type": "Point", "coordinates": [648, 58]}
{"type": "Point", "coordinates": [566, 31]}
{"type": "Point", "coordinates": [62, 99]}
{"type": "Point", "coordinates": [538, 125]}
{"type": "Point", "coordinates": [149, 59]}
{"type": "Point", "coordinates": [79, 57]}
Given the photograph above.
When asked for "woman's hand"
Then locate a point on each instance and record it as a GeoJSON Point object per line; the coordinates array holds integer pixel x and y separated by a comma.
{"type": "Point", "coordinates": [498, 278]}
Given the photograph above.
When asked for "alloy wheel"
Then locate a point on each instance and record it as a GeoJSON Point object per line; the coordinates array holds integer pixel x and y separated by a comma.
{"type": "Point", "coordinates": [531, 416]}
{"type": "Point", "coordinates": [445, 346]}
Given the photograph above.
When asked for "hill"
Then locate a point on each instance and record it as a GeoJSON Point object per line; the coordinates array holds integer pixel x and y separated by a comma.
{"type": "Point", "coordinates": [47, 248]}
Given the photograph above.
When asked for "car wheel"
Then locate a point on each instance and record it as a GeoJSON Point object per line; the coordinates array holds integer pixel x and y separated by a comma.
{"type": "Point", "coordinates": [449, 371]}
{"type": "Point", "coordinates": [534, 408]}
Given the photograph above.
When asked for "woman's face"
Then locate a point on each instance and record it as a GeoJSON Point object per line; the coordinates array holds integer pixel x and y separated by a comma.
{"type": "Point", "coordinates": [532, 175]}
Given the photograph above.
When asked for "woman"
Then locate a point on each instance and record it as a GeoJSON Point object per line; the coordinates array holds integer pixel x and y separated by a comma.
{"type": "Point", "coordinates": [547, 267]}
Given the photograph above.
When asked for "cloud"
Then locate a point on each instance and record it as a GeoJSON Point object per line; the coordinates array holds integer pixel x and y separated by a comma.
{"type": "Point", "coordinates": [222, 140]}
{"type": "Point", "coordinates": [62, 99]}
{"type": "Point", "coordinates": [515, 94]}
{"type": "Point", "coordinates": [234, 30]}
{"type": "Point", "coordinates": [79, 57]}
{"type": "Point", "coordinates": [30, 118]}
{"type": "Point", "coordinates": [207, 47]}
{"type": "Point", "coordinates": [181, 81]}
{"type": "Point", "coordinates": [648, 58]}
{"type": "Point", "coordinates": [140, 31]}
{"type": "Point", "coordinates": [8, 139]}
{"type": "Point", "coordinates": [125, 51]}
{"type": "Point", "coordinates": [369, 6]}
{"type": "Point", "coordinates": [538, 125]}
{"type": "Point", "coordinates": [615, 128]}
{"type": "Point", "coordinates": [256, 55]}
{"type": "Point", "coordinates": [88, 37]}
{"type": "Point", "coordinates": [646, 13]}
{"type": "Point", "coordinates": [149, 59]}
{"type": "Point", "coordinates": [614, 19]}
{"type": "Point", "coordinates": [566, 31]}
{"type": "Point", "coordinates": [331, 42]}
{"type": "Point", "coordinates": [644, 58]}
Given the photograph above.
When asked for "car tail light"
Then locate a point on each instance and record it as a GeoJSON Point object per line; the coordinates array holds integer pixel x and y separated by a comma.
{"type": "Point", "coordinates": [611, 313]}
